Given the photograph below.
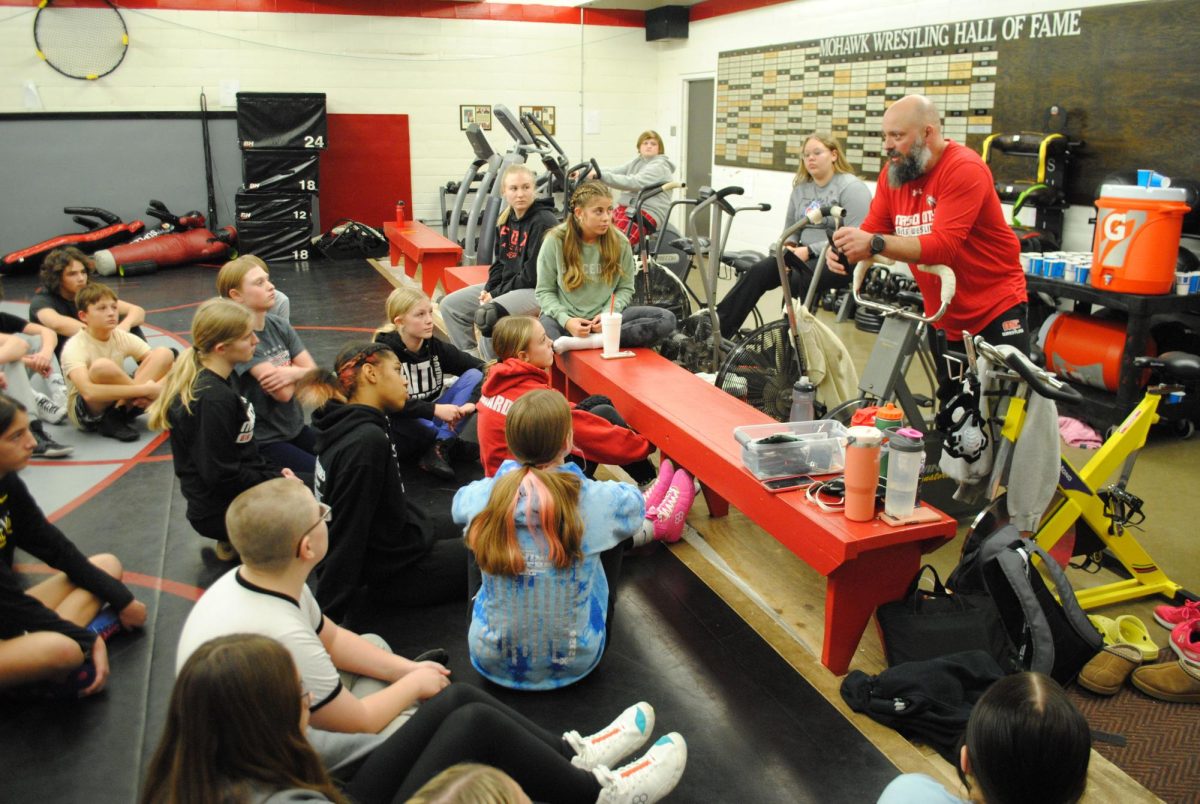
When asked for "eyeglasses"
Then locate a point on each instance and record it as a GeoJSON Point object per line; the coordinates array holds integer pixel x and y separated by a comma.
{"type": "Point", "coordinates": [326, 516]}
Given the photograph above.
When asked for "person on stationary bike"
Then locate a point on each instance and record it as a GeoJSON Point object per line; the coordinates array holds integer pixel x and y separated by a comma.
{"type": "Point", "coordinates": [935, 203]}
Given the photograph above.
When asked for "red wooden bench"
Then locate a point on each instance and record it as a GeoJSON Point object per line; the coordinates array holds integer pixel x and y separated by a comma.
{"type": "Point", "coordinates": [420, 245]}
{"type": "Point", "coordinates": [463, 276]}
{"type": "Point", "coordinates": [692, 422]}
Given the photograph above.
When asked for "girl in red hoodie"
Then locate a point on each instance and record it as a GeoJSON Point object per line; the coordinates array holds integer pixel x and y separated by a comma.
{"type": "Point", "coordinates": [524, 354]}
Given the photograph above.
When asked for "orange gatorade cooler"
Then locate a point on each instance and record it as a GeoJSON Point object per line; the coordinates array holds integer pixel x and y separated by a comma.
{"type": "Point", "coordinates": [1137, 238]}
{"type": "Point", "coordinates": [1087, 349]}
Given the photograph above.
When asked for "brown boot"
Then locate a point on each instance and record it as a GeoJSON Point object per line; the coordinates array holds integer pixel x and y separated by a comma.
{"type": "Point", "coordinates": [1177, 682]}
{"type": "Point", "coordinates": [1109, 668]}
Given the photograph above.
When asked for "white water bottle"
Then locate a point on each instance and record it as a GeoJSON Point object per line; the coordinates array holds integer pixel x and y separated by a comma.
{"type": "Point", "coordinates": [803, 393]}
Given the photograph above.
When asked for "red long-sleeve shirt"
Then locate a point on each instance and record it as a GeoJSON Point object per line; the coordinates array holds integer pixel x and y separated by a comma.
{"type": "Point", "coordinates": [955, 213]}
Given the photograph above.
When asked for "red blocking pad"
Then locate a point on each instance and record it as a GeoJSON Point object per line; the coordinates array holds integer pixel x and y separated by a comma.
{"type": "Point", "coordinates": [366, 169]}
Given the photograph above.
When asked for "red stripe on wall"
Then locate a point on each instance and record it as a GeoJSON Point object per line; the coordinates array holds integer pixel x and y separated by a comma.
{"type": "Point", "coordinates": [433, 9]}
{"type": "Point", "coordinates": [719, 8]}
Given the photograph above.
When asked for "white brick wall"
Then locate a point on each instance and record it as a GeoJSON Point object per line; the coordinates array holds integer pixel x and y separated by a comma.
{"type": "Point", "coordinates": [424, 68]}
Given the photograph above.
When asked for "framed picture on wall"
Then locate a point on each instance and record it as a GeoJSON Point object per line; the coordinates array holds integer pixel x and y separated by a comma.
{"type": "Point", "coordinates": [542, 114]}
{"type": "Point", "coordinates": [481, 115]}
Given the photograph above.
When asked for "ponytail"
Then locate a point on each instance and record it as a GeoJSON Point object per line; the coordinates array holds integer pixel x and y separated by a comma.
{"type": "Point", "coordinates": [536, 428]}
{"type": "Point", "coordinates": [216, 321]}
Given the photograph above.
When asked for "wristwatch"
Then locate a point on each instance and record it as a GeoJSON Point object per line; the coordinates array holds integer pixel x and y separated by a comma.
{"type": "Point", "coordinates": [878, 244]}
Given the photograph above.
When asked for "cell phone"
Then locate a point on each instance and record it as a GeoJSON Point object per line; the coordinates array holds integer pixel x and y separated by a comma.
{"type": "Point", "coordinates": [778, 484]}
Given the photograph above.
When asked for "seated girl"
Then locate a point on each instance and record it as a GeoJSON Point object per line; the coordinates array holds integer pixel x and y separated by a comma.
{"type": "Point", "coordinates": [379, 541]}
{"type": "Point", "coordinates": [513, 273]}
{"type": "Point", "coordinates": [549, 543]}
{"type": "Point", "coordinates": [524, 357]}
{"type": "Point", "coordinates": [585, 268]}
{"type": "Point", "coordinates": [1025, 742]}
{"type": "Point", "coordinates": [47, 633]}
{"type": "Point", "coordinates": [651, 166]}
{"type": "Point", "coordinates": [268, 380]}
{"type": "Point", "coordinates": [211, 425]}
{"type": "Point", "coordinates": [434, 414]}
{"type": "Point", "coordinates": [236, 723]}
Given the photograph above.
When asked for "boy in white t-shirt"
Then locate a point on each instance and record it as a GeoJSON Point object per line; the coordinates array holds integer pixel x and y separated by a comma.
{"type": "Point", "coordinates": [101, 396]}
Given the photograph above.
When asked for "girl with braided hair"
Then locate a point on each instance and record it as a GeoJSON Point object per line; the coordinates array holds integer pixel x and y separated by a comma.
{"type": "Point", "coordinates": [379, 542]}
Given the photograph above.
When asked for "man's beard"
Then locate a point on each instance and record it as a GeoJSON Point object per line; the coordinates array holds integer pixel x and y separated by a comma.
{"type": "Point", "coordinates": [910, 167]}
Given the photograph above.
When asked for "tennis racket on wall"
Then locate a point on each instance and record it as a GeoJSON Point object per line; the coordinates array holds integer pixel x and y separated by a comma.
{"type": "Point", "coordinates": [84, 39]}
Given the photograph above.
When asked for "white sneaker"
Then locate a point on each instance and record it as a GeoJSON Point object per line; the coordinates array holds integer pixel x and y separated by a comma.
{"type": "Point", "coordinates": [615, 741]}
{"type": "Point", "coordinates": [647, 779]}
{"type": "Point", "coordinates": [47, 411]}
{"type": "Point", "coordinates": [58, 389]}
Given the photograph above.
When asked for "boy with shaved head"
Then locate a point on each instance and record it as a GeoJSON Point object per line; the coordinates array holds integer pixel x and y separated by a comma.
{"type": "Point", "coordinates": [935, 203]}
{"type": "Point", "coordinates": [356, 684]}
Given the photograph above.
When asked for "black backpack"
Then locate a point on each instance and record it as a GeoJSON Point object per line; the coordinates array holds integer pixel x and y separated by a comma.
{"type": "Point", "coordinates": [1046, 634]}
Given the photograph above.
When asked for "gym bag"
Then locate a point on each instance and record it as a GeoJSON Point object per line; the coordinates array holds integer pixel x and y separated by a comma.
{"type": "Point", "coordinates": [928, 624]}
{"type": "Point", "coordinates": [1045, 634]}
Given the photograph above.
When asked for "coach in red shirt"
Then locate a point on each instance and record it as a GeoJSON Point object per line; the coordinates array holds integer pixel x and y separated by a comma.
{"type": "Point", "coordinates": [935, 203]}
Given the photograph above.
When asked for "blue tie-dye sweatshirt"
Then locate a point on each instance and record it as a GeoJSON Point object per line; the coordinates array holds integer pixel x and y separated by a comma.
{"type": "Point", "coordinates": [545, 628]}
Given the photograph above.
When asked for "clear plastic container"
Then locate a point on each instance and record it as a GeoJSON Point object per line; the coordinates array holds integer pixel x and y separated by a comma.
{"type": "Point", "coordinates": [782, 449]}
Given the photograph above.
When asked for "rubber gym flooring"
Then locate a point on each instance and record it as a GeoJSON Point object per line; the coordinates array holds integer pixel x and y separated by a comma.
{"type": "Point", "coordinates": [756, 731]}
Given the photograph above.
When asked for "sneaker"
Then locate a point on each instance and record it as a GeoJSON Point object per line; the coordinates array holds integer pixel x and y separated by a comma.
{"type": "Point", "coordinates": [1185, 641]}
{"type": "Point", "coordinates": [439, 655]}
{"type": "Point", "coordinates": [115, 424]}
{"type": "Point", "coordinates": [58, 390]}
{"type": "Point", "coordinates": [434, 461]}
{"type": "Point", "coordinates": [672, 512]}
{"type": "Point", "coordinates": [1173, 616]}
{"type": "Point", "coordinates": [226, 551]}
{"type": "Point", "coordinates": [647, 779]}
{"type": "Point", "coordinates": [615, 741]}
{"type": "Point", "coordinates": [654, 493]}
{"type": "Point", "coordinates": [47, 411]}
{"type": "Point", "coordinates": [45, 446]}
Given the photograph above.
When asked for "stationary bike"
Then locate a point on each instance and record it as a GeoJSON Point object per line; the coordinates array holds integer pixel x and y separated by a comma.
{"type": "Point", "coordinates": [1102, 515]}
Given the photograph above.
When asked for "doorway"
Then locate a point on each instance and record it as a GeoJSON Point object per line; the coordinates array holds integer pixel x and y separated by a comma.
{"type": "Point", "coordinates": [697, 168]}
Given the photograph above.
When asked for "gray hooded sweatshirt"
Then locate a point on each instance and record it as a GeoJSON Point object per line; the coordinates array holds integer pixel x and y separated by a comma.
{"type": "Point", "coordinates": [638, 174]}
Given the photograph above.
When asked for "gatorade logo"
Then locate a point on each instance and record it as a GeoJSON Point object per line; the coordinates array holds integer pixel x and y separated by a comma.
{"type": "Point", "coordinates": [1117, 230]}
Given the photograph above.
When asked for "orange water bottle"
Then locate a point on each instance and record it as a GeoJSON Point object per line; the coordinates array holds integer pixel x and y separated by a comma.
{"type": "Point", "coordinates": [888, 419]}
{"type": "Point", "coordinates": [862, 472]}
{"type": "Point", "coordinates": [399, 213]}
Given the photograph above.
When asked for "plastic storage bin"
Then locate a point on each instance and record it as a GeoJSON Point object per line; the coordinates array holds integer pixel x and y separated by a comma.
{"type": "Point", "coordinates": [793, 448]}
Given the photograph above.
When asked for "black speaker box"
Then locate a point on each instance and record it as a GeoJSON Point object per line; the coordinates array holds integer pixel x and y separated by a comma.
{"type": "Point", "coordinates": [274, 172]}
{"type": "Point", "coordinates": [666, 22]}
{"type": "Point", "coordinates": [281, 120]}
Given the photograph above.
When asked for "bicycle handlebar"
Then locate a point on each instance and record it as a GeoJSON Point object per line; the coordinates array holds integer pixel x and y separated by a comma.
{"type": "Point", "coordinates": [941, 271]}
{"type": "Point", "coordinates": [1041, 381]}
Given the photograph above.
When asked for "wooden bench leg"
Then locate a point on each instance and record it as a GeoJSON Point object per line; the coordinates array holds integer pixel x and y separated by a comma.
{"type": "Point", "coordinates": [855, 590]}
{"type": "Point", "coordinates": [394, 255]}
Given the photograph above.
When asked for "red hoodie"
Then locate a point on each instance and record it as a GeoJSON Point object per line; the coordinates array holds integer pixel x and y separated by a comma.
{"type": "Point", "coordinates": [596, 439]}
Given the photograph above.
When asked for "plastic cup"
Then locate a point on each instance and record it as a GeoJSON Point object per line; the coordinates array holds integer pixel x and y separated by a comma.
{"type": "Point", "coordinates": [907, 460]}
{"type": "Point", "coordinates": [610, 331]}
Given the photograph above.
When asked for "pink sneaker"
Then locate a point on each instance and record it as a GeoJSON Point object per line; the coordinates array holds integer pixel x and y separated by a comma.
{"type": "Point", "coordinates": [1172, 616]}
{"type": "Point", "coordinates": [1185, 641]}
{"type": "Point", "coordinates": [654, 493]}
{"type": "Point", "coordinates": [673, 510]}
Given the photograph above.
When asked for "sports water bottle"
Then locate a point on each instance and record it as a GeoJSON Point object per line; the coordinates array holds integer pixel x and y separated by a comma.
{"type": "Point", "coordinates": [862, 472]}
{"type": "Point", "coordinates": [802, 401]}
{"type": "Point", "coordinates": [888, 419]}
{"type": "Point", "coordinates": [907, 449]}
{"type": "Point", "coordinates": [399, 213]}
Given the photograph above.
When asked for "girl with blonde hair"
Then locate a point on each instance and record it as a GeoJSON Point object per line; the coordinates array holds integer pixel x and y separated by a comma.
{"type": "Point", "coordinates": [435, 413]}
{"type": "Point", "coordinates": [823, 178]}
{"type": "Point", "coordinates": [586, 268]}
{"type": "Point", "coordinates": [269, 378]}
{"type": "Point", "coordinates": [511, 278]}
{"type": "Point", "coordinates": [211, 425]}
{"type": "Point", "coordinates": [549, 542]}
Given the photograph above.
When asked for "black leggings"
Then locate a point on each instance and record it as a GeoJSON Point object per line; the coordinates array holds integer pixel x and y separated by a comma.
{"type": "Point", "coordinates": [641, 471]}
{"type": "Point", "coordinates": [763, 276]}
{"type": "Point", "coordinates": [465, 724]}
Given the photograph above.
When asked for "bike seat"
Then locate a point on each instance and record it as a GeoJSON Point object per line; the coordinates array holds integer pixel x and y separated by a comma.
{"type": "Point", "coordinates": [741, 261]}
{"type": "Point", "coordinates": [1176, 365]}
{"type": "Point", "coordinates": [684, 244]}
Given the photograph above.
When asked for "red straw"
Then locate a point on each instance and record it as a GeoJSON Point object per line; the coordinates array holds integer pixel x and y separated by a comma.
{"type": "Point", "coordinates": [612, 303]}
